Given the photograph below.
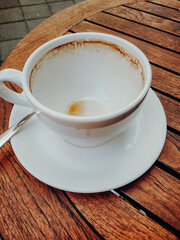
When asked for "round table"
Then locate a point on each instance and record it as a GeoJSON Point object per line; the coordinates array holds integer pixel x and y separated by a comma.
{"type": "Point", "coordinates": [148, 208]}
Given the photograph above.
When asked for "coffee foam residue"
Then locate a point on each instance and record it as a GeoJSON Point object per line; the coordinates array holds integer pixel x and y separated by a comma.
{"type": "Point", "coordinates": [71, 47]}
{"type": "Point", "coordinates": [68, 47]}
{"type": "Point", "coordinates": [33, 72]}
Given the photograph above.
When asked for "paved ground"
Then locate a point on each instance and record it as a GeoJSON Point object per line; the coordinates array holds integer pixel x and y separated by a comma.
{"type": "Point", "coordinates": [18, 17]}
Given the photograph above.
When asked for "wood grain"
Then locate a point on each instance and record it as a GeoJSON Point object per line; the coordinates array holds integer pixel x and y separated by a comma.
{"type": "Point", "coordinates": [123, 222]}
{"type": "Point", "coordinates": [172, 111]}
{"type": "Point", "coordinates": [158, 10]}
{"type": "Point", "coordinates": [165, 58]}
{"type": "Point", "coordinates": [165, 81]}
{"type": "Point", "coordinates": [147, 19]}
{"type": "Point", "coordinates": [171, 151]}
{"type": "Point", "coordinates": [31, 209]}
{"type": "Point", "coordinates": [173, 3]}
{"type": "Point", "coordinates": [159, 193]}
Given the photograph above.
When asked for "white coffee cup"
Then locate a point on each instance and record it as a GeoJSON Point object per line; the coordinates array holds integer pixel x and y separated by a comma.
{"type": "Point", "coordinates": [86, 87]}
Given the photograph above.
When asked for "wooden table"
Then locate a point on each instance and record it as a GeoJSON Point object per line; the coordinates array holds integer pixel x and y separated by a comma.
{"type": "Point", "coordinates": [148, 208]}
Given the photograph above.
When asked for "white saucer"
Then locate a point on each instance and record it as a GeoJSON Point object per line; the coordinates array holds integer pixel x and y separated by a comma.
{"type": "Point", "coordinates": [86, 170]}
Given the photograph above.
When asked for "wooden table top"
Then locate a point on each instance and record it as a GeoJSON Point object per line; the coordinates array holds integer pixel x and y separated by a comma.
{"type": "Point", "coordinates": [148, 208]}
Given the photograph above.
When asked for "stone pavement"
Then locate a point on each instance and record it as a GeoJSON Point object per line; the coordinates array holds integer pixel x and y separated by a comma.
{"type": "Point", "coordinates": [18, 17]}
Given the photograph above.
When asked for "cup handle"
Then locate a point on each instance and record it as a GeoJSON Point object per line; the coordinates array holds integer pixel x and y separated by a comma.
{"type": "Point", "coordinates": [14, 76]}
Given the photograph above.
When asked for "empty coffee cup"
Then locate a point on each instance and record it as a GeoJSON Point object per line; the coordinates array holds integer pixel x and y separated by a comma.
{"type": "Point", "coordinates": [86, 87]}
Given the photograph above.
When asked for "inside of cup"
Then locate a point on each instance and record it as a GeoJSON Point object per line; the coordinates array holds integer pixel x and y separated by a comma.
{"type": "Point", "coordinates": [87, 78]}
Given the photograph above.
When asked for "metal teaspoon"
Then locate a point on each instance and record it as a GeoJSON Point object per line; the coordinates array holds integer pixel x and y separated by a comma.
{"type": "Point", "coordinates": [13, 129]}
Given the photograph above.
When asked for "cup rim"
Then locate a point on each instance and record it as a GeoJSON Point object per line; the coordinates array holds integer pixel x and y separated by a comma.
{"type": "Point", "coordinates": [70, 119]}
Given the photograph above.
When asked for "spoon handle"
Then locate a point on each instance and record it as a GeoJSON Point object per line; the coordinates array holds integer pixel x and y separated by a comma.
{"type": "Point", "coordinates": [12, 130]}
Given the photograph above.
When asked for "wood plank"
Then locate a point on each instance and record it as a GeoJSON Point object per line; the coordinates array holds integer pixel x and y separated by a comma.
{"type": "Point", "coordinates": [162, 79]}
{"type": "Point", "coordinates": [173, 3]}
{"type": "Point", "coordinates": [158, 10]}
{"type": "Point", "coordinates": [159, 192]}
{"type": "Point", "coordinates": [171, 151]}
{"type": "Point", "coordinates": [147, 19]}
{"type": "Point", "coordinates": [139, 31]}
{"type": "Point", "coordinates": [165, 81]}
{"type": "Point", "coordinates": [31, 209]}
{"type": "Point", "coordinates": [56, 26]}
{"type": "Point", "coordinates": [116, 219]}
{"type": "Point", "coordinates": [172, 111]}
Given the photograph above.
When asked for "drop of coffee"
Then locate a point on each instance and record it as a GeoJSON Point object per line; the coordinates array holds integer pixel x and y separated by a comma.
{"type": "Point", "coordinates": [76, 108]}
{"type": "Point", "coordinates": [87, 107]}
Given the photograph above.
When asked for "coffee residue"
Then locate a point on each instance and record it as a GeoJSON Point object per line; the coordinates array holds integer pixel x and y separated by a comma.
{"type": "Point", "coordinates": [68, 47]}
{"type": "Point", "coordinates": [76, 108]}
